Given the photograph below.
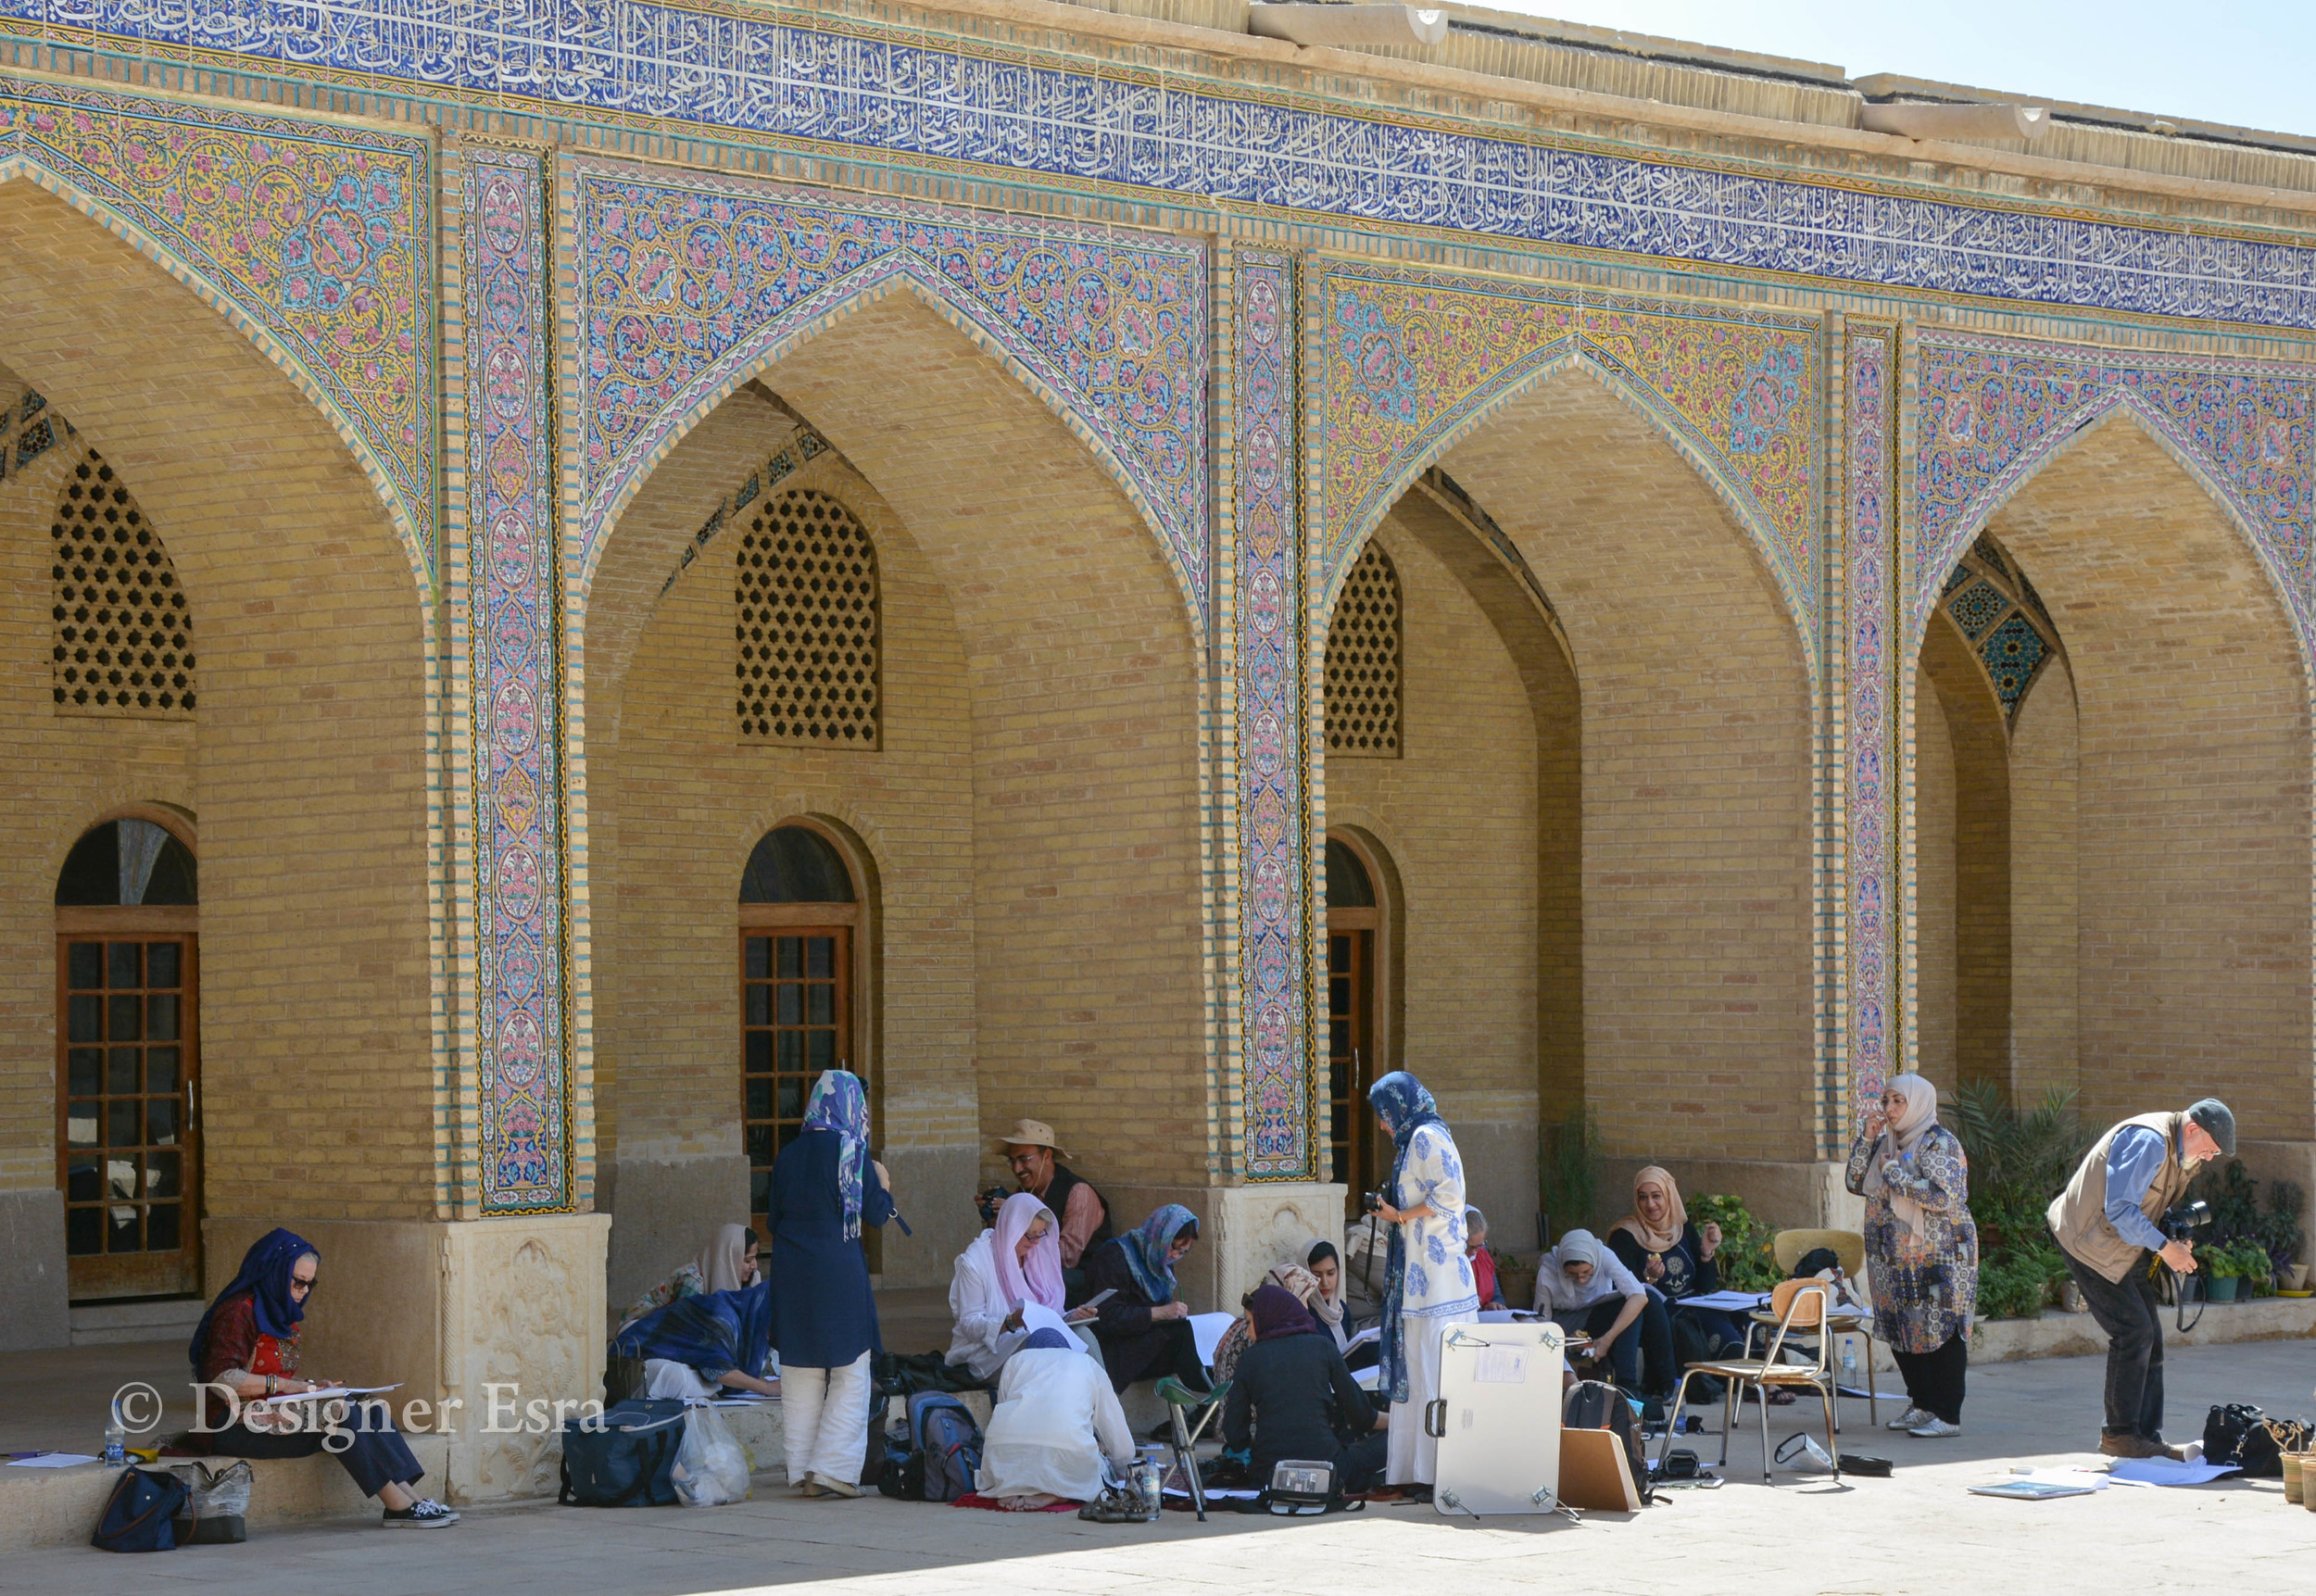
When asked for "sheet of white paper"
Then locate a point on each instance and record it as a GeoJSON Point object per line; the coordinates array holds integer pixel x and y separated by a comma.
{"type": "Point", "coordinates": [1037, 1316]}
{"type": "Point", "coordinates": [1228, 1494]}
{"type": "Point", "coordinates": [1500, 1366]}
{"type": "Point", "coordinates": [2166, 1471]}
{"type": "Point", "coordinates": [1729, 1302]}
{"type": "Point", "coordinates": [1206, 1330]}
{"type": "Point", "coordinates": [1372, 1333]}
{"type": "Point", "coordinates": [54, 1460]}
{"type": "Point", "coordinates": [1369, 1377]}
{"type": "Point", "coordinates": [1506, 1317]}
{"type": "Point", "coordinates": [327, 1394]}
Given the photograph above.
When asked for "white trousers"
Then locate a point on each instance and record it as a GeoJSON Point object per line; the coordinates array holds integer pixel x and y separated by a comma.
{"type": "Point", "coordinates": [1413, 1457]}
{"type": "Point", "coordinates": [666, 1378]}
{"type": "Point", "coordinates": [827, 1414]}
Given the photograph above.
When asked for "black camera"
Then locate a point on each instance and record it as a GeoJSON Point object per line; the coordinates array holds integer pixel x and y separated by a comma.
{"type": "Point", "coordinates": [2182, 1222]}
{"type": "Point", "coordinates": [1370, 1202]}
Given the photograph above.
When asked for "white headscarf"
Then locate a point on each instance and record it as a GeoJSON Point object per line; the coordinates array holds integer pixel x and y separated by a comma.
{"type": "Point", "coordinates": [1899, 1138]}
{"type": "Point", "coordinates": [1556, 1292]}
{"type": "Point", "coordinates": [722, 1262]}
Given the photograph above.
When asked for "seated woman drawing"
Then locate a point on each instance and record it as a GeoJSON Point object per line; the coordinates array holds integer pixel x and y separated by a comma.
{"type": "Point", "coordinates": [698, 1346]}
{"type": "Point", "coordinates": [1057, 1419]}
{"type": "Point", "coordinates": [1583, 1287]}
{"type": "Point", "coordinates": [1292, 1397]}
{"type": "Point", "coordinates": [1144, 1328]}
{"type": "Point", "coordinates": [244, 1351]}
{"type": "Point", "coordinates": [1483, 1262]}
{"type": "Point", "coordinates": [726, 1264]}
{"type": "Point", "coordinates": [1012, 1267]}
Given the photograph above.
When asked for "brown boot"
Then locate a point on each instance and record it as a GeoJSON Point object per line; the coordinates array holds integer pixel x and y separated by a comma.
{"type": "Point", "coordinates": [2132, 1446]}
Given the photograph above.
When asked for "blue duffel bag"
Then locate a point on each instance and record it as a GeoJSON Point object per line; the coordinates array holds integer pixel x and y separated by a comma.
{"type": "Point", "coordinates": [624, 1459]}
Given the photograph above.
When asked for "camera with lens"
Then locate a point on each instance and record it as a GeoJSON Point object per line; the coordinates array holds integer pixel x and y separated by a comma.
{"type": "Point", "coordinates": [2182, 1222]}
{"type": "Point", "coordinates": [1370, 1202]}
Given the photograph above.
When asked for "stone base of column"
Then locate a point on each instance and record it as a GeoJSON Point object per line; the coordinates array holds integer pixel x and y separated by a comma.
{"type": "Point", "coordinates": [1244, 1231]}
{"type": "Point", "coordinates": [32, 1288]}
{"type": "Point", "coordinates": [489, 1323]}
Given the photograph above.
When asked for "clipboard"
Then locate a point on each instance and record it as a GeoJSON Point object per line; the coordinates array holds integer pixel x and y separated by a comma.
{"type": "Point", "coordinates": [1595, 1474]}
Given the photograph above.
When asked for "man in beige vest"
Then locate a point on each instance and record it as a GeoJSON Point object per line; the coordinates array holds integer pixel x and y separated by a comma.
{"type": "Point", "coordinates": [2108, 1223]}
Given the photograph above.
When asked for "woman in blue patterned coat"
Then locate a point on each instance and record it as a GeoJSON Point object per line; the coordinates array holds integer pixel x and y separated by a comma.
{"type": "Point", "coordinates": [1921, 1250]}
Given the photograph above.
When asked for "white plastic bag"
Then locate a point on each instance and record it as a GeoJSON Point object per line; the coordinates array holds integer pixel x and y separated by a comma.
{"type": "Point", "coordinates": [710, 1467]}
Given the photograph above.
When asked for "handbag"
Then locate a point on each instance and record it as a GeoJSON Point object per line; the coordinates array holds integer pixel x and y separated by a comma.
{"type": "Point", "coordinates": [141, 1514]}
{"type": "Point", "coordinates": [624, 1459]}
{"type": "Point", "coordinates": [2261, 1453]}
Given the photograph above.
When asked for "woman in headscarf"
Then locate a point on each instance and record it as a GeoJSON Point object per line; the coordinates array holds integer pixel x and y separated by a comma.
{"type": "Point", "coordinates": [1921, 1250]}
{"type": "Point", "coordinates": [1483, 1261]}
{"type": "Point", "coordinates": [1330, 1306]}
{"type": "Point", "coordinates": [1057, 1419]}
{"type": "Point", "coordinates": [1012, 1267]}
{"type": "Point", "coordinates": [1297, 1282]}
{"type": "Point", "coordinates": [1661, 1248]}
{"type": "Point", "coordinates": [824, 1188]}
{"type": "Point", "coordinates": [246, 1345]}
{"type": "Point", "coordinates": [1144, 1328]}
{"type": "Point", "coordinates": [726, 1264]}
{"type": "Point", "coordinates": [1582, 1288]}
{"type": "Point", "coordinates": [1292, 1397]}
{"type": "Point", "coordinates": [1427, 1280]}
{"type": "Point", "coordinates": [697, 1345]}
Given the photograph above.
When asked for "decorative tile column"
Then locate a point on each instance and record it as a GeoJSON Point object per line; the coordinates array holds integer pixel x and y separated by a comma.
{"type": "Point", "coordinates": [1869, 916]}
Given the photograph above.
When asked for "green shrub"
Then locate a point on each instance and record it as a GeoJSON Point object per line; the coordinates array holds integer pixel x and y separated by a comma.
{"type": "Point", "coordinates": [2012, 1287]}
{"type": "Point", "coordinates": [1567, 1167]}
{"type": "Point", "coordinates": [1745, 1260]}
{"type": "Point", "coordinates": [2236, 1217]}
{"type": "Point", "coordinates": [2018, 1161]}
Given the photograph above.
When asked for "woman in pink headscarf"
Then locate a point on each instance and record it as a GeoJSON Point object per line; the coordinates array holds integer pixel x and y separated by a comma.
{"type": "Point", "coordinates": [1010, 1275]}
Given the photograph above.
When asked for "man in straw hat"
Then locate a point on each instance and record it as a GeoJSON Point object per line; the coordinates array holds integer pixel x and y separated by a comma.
{"type": "Point", "coordinates": [1035, 1154]}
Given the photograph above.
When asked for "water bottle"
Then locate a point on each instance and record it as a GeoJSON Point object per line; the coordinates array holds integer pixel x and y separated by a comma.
{"type": "Point", "coordinates": [116, 1438]}
{"type": "Point", "coordinates": [1849, 1365]}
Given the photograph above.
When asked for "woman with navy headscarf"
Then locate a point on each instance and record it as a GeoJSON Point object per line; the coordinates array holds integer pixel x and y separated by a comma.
{"type": "Point", "coordinates": [245, 1351]}
{"type": "Point", "coordinates": [824, 1188]}
{"type": "Point", "coordinates": [1430, 1279]}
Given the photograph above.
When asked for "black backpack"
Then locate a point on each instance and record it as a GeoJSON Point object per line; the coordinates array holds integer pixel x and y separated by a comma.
{"type": "Point", "coordinates": [141, 1515]}
{"type": "Point", "coordinates": [2225, 1429]}
{"type": "Point", "coordinates": [2264, 1445]}
{"type": "Point", "coordinates": [624, 1459]}
{"type": "Point", "coordinates": [1596, 1405]}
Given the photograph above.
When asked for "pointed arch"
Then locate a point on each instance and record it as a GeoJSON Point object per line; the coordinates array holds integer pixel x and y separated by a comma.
{"type": "Point", "coordinates": [1107, 329]}
{"type": "Point", "coordinates": [1573, 353]}
{"type": "Point", "coordinates": [355, 335]}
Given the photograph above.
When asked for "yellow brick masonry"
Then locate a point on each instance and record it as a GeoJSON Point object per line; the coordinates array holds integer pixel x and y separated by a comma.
{"type": "Point", "coordinates": [307, 764]}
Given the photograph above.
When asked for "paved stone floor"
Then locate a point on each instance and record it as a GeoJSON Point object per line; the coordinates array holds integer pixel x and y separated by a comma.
{"type": "Point", "coordinates": [1918, 1531]}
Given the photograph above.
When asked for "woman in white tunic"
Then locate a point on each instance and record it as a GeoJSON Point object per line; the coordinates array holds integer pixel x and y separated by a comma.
{"type": "Point", "coordinates": [1010, 1271]}
{"type": "Point", "coordinates": [1430, 1279]}
{"type": "Point", "coordinates": [1057, 1419]}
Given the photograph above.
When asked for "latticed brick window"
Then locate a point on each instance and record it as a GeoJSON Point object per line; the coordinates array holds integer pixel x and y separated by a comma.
{"type": "Point", "coordinates": [809, 626]}
{"type": "Point", "coordinates": [123, 636]}
{"type": "Point", "coordinates": [1363, 661]}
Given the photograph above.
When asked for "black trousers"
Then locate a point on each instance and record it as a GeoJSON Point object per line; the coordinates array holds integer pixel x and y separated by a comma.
{"type": "Point", "coordinates": [1935, 1380]}
{"type": "Point", "coordinates": [2127, 1311]}
{"type": "Point", "coordinates": [1647, 1344]}
{"type": "Point", "coordinates": [377, 1456]}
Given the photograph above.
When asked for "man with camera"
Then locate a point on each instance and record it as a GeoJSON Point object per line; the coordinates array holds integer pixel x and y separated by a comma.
{"type": "Point", "coordinates": [2107, 1223]}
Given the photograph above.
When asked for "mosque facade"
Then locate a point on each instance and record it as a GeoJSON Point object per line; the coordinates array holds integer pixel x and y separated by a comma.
{"type": "Point", "coordinates": [569, 567]}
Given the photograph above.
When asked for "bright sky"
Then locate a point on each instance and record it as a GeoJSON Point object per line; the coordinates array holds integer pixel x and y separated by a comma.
{"type": "Point", "coordinates": [2246, 63]}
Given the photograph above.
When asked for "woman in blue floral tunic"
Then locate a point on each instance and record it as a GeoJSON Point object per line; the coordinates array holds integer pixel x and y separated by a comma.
{"type": "Point", "coordinates": [1921, 1250]}
{"type": "Point", "coordinates": [1429, 1278]}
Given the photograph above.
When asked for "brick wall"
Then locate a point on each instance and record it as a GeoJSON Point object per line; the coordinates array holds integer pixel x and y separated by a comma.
{"type": "Point", "coordinates": [1979, 749]}
{"type": "Point", "coordinates": [1696, 777]}
{"type": "Point", "coordinates": [2193, 787]}
{"type": "Point", "coordinates": [2044, 888]}
{"type": "Point", "coordinates": [306, 766]}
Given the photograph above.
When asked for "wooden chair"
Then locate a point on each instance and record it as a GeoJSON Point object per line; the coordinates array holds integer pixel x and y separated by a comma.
{"type": "Point", "coordinates": [1789, 1247]}
{"type": "Point", "coordinates": [1801, 1309]}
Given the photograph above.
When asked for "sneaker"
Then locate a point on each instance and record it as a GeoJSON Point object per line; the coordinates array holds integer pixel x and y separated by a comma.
{"type": "Point", "coordinates": [832, 1487]}
{"type": "Point", "coordinates": [1907, 1420]}
{"type": "Point", "coordinates": [2129, 1446]}
{"type": "Point", "coordinates": [424, 1514]}
{"type": "Point", "coordinates": [1933, 1428]}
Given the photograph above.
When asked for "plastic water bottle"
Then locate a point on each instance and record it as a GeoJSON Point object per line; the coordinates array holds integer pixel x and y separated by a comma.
{"type": "Point", "coordinates": [1849, 1365]}
{"type": "Point", "coordinates": [116, 1438]}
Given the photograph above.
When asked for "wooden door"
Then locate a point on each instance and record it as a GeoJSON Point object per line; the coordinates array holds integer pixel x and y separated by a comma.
{"type": "Point", "coordinates": [128, 1136]}
{"type": "Point", "coordinates": [1350, 1050]}
{"type": "Point", "coordinates": [796, 1020]}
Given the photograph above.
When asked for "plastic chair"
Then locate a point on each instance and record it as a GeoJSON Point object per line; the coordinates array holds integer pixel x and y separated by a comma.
{"type": "Point", "coordinates": [1802, 1308]}
{"type": "Point", "coordinates": [1179, 1398]}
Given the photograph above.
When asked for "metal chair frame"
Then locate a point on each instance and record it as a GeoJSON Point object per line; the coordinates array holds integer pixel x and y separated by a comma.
{"type": "Point", "coordinates": [1179, 1398]}
{"type": "Point", "coordinates": [1770, 1370]}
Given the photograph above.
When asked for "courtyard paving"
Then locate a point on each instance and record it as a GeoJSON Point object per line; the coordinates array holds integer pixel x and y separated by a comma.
{"type": "Point", "coordinates": [1917, 1531]}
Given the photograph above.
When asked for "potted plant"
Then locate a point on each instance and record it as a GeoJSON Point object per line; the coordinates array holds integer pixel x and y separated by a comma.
{"type": "Point", "coordinates": [2222, 1270]}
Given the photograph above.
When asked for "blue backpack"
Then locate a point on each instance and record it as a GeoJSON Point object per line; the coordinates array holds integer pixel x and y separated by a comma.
{"type": "Point", "coordinates": [141, 1515]}
{"type": "Point", "coordinates": [624, 1459]}
{"type": "Point", "coordinates": [940, 1455]}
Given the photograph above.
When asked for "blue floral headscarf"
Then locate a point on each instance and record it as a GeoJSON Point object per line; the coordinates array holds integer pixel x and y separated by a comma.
{"type": "Point", "coordinates": [712, 1334]}
{"type": "Point", "coordinates": [265, 1275]}
{"type": "Point", "coordinates": [1146, 1251]}
{"type": "Point", "coordinates": [838, 1103]}
{"type": "Point", "coordinates": [1404, 1107]}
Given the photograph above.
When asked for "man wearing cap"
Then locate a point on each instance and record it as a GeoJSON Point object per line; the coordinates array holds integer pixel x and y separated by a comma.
{"type": "Point", "coordinates": [1035, 1155]}
{"type": "Point", "coordinates": [2107, 1225]}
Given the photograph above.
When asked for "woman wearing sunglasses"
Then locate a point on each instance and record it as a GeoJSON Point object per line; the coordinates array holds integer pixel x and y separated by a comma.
{"type": "Point", "coordinates": [246, 1345]}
